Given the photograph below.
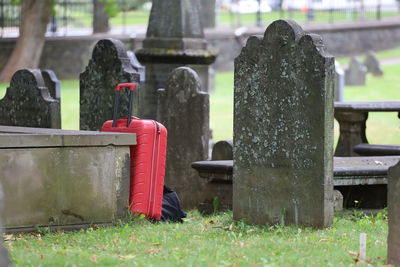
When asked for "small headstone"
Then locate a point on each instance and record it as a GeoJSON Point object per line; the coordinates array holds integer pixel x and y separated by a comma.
{"type": "Point", "coordinates": [356, 73]}
{"type": "Point", "coordinates": [394, 215]}
{"type": "Point", "coordinates": [109, 66]}
{"type": "Point", "coordinates": [52, 83]}
{"type": "Point", "coordinates": [28, 102]}
{"type": "Point", "coordinates": [283, 129]}
{"type": "Point", "coordinates": [372, 64]}
{"type": "Point", "coordinates": [338, 197]}
{"type": "Point", "coordinates": [339, 82]}
{"type": "Point", "coordinates": [222, 150]}
{"type": "Point", "coordinates": [184, 111]}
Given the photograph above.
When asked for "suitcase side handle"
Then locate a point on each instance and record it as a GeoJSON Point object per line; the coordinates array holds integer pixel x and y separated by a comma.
{"type": "Point", "coordinates": [132, 87]}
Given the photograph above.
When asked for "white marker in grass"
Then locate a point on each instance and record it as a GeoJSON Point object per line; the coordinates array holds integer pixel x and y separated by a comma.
{"type": "Point", "coordinates": [363, 246]}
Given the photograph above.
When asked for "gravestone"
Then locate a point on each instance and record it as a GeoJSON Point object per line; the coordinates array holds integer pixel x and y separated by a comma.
{"type": "Point", "coordinates": [222, 150]}
{"type": "Point", "coordinates": [174, 38]}
{"type": "Point", "coordinates": [372, 64]}
{"type": "Point", "coordinates": [394, 215]}
{"type": "Point", "coordinates": [108, 67]}
{"type": "Point", "coordinates": [28, 102]}
{"type": "Point", "coordinates": [283, 129]}
{"type": "Point", "coordinates": [184, 111]}
{"type": "Point", "coordinates": [339, 82]}
{"type": "Point", "coordinates": [52, 83]}
{"type": "Point", "coordinates": [355, 73]}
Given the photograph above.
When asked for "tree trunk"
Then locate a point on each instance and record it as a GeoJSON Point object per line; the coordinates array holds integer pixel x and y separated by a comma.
{"type": "Point", "coordinates": [35, 16]}
{"type": "Point", "coordinates": [100, 18]}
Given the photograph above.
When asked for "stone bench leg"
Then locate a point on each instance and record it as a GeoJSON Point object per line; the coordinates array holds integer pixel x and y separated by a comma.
{"type": "Point", "coordinates": [352, 127]}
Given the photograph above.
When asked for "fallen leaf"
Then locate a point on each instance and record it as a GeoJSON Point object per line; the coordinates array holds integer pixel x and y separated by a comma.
{"type": "Point", "coordinates": [41, 257]}
{"type": "Point", "coordinates": [323, 240]}
{"type": "Point", "coordinates": [8, 237]}
{"type": "Point", "coordinates": [127, 257]}
{"type": "Point", "coordinates": [153, 250]}
{"type": "Point", "coordinates": [156, 244]}
{"type": "Point", "coordinates": [93, 259]}
{"type": "Point", "coordinates": [353, 253]}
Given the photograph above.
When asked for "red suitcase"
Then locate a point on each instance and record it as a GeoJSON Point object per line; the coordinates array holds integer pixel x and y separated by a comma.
{"type": "Point", "coordinates": [147, 157]}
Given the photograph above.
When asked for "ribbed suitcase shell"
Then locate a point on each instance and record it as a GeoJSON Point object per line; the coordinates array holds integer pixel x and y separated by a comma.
{"type": "Point", "coordinates": [147, 164]}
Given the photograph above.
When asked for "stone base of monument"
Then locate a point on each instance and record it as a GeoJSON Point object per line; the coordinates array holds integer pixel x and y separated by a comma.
{"type": "Point", "coordinates": [63, 179]}
{"type": "Point", "coordinates": [361, 180]}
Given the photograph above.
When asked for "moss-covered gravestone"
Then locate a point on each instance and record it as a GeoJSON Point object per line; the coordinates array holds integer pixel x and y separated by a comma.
{"type": "Point", "coordinates": [28, 102]}
{"type": "Point", "coordinates": [184, 110]}
{"type": "Point", "coordinates": [394, 215]}
{"type": "Point", "coordinates": [108, 66]}
{"type": "Point", "coordinates": [283, 129]}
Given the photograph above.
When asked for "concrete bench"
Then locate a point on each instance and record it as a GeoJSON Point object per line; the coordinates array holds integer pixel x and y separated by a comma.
{"type": "Point", "coordinates": [352, 118]}
{"type": "Point", "coordinates": [361, 180]}
{"type": "Point", "coordinates": [63, 179]}
{"type": "Point", "coordinates": [377, 150]}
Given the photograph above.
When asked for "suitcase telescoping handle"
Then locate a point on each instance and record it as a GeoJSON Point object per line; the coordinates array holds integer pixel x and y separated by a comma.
{"type": "Point", "coordinates": [132, 87]}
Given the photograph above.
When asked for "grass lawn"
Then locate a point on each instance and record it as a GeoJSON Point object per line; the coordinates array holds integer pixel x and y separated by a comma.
{"type": "Point", "coordinates": [225, 17]}
{"type": "Point", "coordinates": [382, 128]}
{"type": "Point", "coordinates": [218, 240]}
{"type": "Point", "coordinates": [205, 241]}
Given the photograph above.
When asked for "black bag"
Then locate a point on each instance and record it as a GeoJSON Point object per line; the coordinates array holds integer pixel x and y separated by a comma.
{"type": "Point", "coordinates": [171, 207]}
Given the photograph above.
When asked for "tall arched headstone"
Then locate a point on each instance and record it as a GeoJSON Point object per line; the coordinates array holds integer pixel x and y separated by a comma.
{"type": "Point", "coordinates": [184, 110]}
{"type": "Point", "coordinates": [108, 66]}
{"type": "Point", "coordinates": [28, 102]}
{"type": "Point", "coordinates": [283, 129]}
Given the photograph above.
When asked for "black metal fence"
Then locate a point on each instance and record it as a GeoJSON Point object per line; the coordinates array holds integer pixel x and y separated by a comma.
{"type": "Point", "coordinates": [75, 17]}
{"type": "Point", "coordinates": [70, 17]}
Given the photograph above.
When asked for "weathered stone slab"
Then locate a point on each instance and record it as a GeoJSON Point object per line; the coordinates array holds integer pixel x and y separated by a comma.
{"type": "Point", "coordinates": [358, 178]}
{"type": "Point", "coordinates": [372, 64]}
{"type": "Point", "coordinates": [108, 66]}
{"type": "Point", "coordinates": [394, 215]}
{"type": "Point", "coordinates": [18, 137]}
{"type": "Point", "coordinates": [377, 150]}
{"type": "Point", "coordinates": [184, 111]}
{"type": "Point", "coordinates": [61, 184]}
{"type": "Point", "coordinates": [28, 102]}
{"type": "Point", "coordinates": [283, 129]}
{"type": "Point", "coordinates": [356, 73]}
